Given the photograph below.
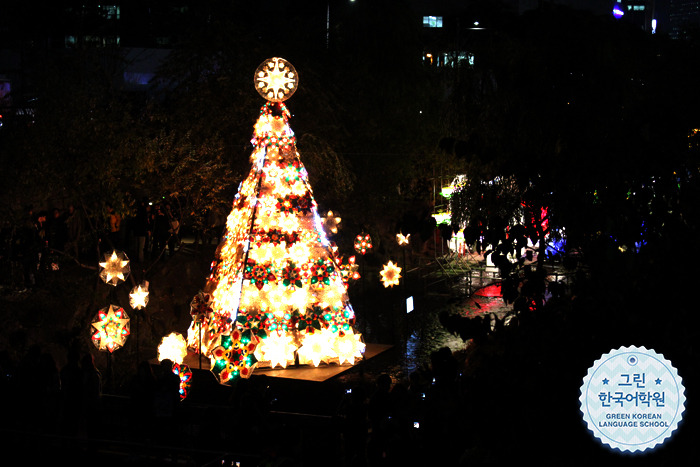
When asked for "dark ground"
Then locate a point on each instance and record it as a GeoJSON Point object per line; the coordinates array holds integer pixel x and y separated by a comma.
{"type": "Point", "coordinates": [494, 405]}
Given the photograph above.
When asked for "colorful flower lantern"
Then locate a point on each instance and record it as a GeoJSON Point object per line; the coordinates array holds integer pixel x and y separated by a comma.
{"type": "Point", "coordinates": [363, 243]}
{"type": "Point", "coordinates": [234, 357]}
{"type": "Point", "coordinates": [115, 268]}
{"type": "Point", "coordinates": [185, 374]}
{"type": "Point", "coordinates": [111, 328]}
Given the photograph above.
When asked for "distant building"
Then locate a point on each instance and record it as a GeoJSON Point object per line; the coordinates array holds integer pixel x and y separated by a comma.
{"type": "Point", "coordinates": [684, 18]}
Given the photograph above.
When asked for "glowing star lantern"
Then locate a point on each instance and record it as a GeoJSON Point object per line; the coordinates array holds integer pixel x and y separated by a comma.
{"type": "Point", "coordinates": [185, 374]}
{"type": "Point", "coordinates": [363, 243]}
{"type": "Point", "coordinates": [403, 239]}
{"type": "Point", "coordinates": [390, 274]}
{"type": "Point", "coordinates": [172, 347]}
{"type": "Point", "coordinates": [317, 347]}
{"type": "Point", "coordinates": [115, 268]}
{"type": "Point", "coordinates": [349, 347]}
{"type": "Point", "coordinates": [111, 328]}
{"type": "Point", "coordinates": [138, 298]}
{"type": "Point", "coordinates": [278, 349]}
{"type": "Point", "coordinates": [331, 222]}
{"type": "Point", "coordinates": [276, 79]}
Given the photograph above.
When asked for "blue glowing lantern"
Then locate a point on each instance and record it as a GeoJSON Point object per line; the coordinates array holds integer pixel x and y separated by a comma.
{"type": "Point", "coordinates": [617, 11]}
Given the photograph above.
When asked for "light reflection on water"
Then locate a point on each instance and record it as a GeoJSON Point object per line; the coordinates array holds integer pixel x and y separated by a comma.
{"type": "Point", "coordinates": [424, 334]}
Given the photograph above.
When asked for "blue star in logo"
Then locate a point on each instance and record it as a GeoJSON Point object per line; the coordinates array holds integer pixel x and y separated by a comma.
{"type": "Point", "coordinates": [658, 380]}
{"type": "Point", "coordinates": [605, 380]}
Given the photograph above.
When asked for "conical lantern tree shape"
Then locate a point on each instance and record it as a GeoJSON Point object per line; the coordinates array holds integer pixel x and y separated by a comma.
{"type": "Point", "coordinates": [276, 285]}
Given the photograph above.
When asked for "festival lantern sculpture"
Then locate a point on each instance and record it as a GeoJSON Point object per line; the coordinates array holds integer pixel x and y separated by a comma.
{"type": "Point", "coordinates": [276, 289]}
{"type": "Point", "coordinates": [390, 274]}
{"type": "Point", "coordinates": [115, 268]}
{"type": "Point", "coordinates": [110, 328]}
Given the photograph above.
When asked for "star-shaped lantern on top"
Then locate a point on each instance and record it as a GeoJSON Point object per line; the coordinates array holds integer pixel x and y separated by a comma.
{"type": "Point", "coordinates": [390, 274]}
{"type": "Point", "coordinates": [276, 79]}
{"type": "Point", "coordinates": [111, 328]}
{"type": "Point", "coordinates": [115, 268]}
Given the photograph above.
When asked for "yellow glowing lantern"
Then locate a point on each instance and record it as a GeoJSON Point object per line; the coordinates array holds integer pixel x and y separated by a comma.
{"type": "Point", "coordinates": [278, 349]}
{"type": "Point", "coordinates": [403, 239]}
{"type": "Point", "coordinates": [317, 347]}
{"type": "Point", "coordinates": [276, 79]}
{"type": "Point", "coordinates": [390, 274]}
{"type": "Point", "coordinates": [172, 347]}
{"type": "Point", "coordinates": [115, 268]}
{"type": "Point", "coordinates": [111, 328]}
{"type": "Point", "coordinates": [349, 347]}
{"type": "Point", "coordinates": [331, 222]}
{"type": "Point", "coordinates": [138, 298]}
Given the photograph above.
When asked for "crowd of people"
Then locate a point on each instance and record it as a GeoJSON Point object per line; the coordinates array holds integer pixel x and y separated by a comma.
{"type": "Point", "coordinates": [378, 422]}
{"type": "Point", "coordinates": [43, 239]}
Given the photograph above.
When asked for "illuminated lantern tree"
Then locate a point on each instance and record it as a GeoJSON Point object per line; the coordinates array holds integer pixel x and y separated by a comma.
{"type": "Point", "coordinates": [276, 285]}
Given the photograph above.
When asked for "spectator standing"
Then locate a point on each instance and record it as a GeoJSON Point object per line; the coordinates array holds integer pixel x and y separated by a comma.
{"type": "Point", "coordinates": [114, 226]}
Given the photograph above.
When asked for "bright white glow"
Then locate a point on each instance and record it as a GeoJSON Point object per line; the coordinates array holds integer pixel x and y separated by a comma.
{"type": "Point", "coordinates": [409, 304]}
{"type": "Point", "coordinates": [172, 347]}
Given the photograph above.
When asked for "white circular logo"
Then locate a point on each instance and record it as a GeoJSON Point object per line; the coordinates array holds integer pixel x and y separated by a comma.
{"type": "Point", "coordinates": [632, 399]}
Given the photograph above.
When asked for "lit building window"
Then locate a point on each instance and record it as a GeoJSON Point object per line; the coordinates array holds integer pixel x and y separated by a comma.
{"type": "Point", "coordinates": [110, 11]}
{"type": "Point", "coordinates": [432, 21]}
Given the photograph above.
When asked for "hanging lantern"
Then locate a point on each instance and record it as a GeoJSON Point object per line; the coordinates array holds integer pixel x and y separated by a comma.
{"type": "Point", "coordinates": [332, 222]}
{"type": "Point", "coordinates": [403, 239]}
{"type": "Point", "coordinates": [390, 274]}
{"type": "Point", "coordinates": [185, 374]}
{"type": "Point", "coordinates": [138, 298]}
{"type": "Point", "coordinates": [115, 268]}
{"type": "Point", "coordinates": [172, 347]}
{"type": "Point", "coordinates": [111, 328]}
{"type": "Point", "coordinates": [363, 243]}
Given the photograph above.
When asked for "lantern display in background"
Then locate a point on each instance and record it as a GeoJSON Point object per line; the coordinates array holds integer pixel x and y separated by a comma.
{"type": "Point", "coordinates": [115, 268]}
{"type": "Point", "coordinates": [390, 274]}
{"type": "Point", "coordinates": [111, 328]}
{"type": "Point", "coordinates": [363, 243]}
{"type": "Point", "coordinates": [138, 298]}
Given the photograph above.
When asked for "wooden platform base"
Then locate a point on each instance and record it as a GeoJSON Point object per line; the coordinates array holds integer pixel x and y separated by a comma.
{"type": "Point", "coordinates": [302, 372]}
